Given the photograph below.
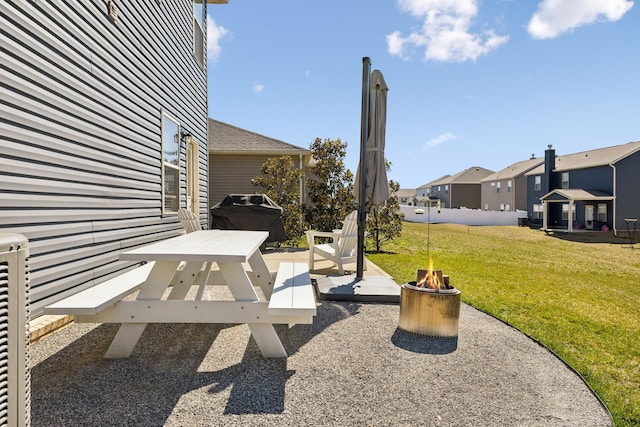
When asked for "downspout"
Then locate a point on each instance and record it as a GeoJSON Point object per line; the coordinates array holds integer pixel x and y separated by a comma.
{"type": "Point", "coordinates": [615, 230]}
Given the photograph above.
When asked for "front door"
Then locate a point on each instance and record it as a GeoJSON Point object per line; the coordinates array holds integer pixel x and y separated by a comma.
{"type": "Point", "coordinates": [588, 217]}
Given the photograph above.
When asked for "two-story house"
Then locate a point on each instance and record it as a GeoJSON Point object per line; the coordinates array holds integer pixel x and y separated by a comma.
{"type": "Point", "coordinates": [506, 190]}
{"type": "Point", "coordinates": [461, 190]}
{"type": "Point", "coordinates": [593, 190]}
{"type": "Point", "coordinates": [103, 132]}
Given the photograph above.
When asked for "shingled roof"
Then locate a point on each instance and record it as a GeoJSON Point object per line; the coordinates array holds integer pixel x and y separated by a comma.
{"type": "Point", "coordinates": [228, 139]}
{"type": "Point", "coordinates": [592, 158]}
{"type": "Point", "coordinates": [472, 175]}
{"type": "Point", "coordinates": [514, 170]}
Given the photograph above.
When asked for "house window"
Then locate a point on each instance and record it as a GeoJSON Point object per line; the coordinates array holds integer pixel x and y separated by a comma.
{"type": "Point", "coordinates": [446, 189]}
{"type": "Point", "coordinates": [501, 207]}
{"type": "Point", "coordinates": [565, 212]}
{"type": "Point", "coordinates": [565, 179]}
{"type": "Point", "coordinates": [486, 206]}
{"type": "Point", "coordinates": [602, 212]}
{"type": "Point", "coordinates": [438, 188]}
{"type": "Point", "coordinates": [507, 207]}
{"type": "Point", "coordinates": [198, 30]}
{"type": "Point", "coordinates": [170, 164]}
{"type": "Point", "coordinates": [509, 186]}
{"type": "Point", "coordinates": [537, 212]}
{"type": "Point", "coordinates": [537, 182]}
{"type": "Point", "coordinates": [498, 188]}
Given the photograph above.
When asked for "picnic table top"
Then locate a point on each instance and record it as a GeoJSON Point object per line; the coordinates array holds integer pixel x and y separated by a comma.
{"type": "Point", "coordinates": [203, 245]}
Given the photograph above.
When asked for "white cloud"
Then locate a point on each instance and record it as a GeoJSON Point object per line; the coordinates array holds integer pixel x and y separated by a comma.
{"type": "Point", "coordinates": [555, 17]}
{"type": "Point", "coordinates": [214, 34]}
{"type": "Point", "coordinates": [258, 87]}
{"type": "Point", "coordinates": [445, 34]}
{"type": "Point", "coordinates": [434, 142]}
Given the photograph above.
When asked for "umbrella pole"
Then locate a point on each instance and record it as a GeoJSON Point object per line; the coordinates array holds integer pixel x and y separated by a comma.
{"type": "Point", "coordinates": [362, 193]}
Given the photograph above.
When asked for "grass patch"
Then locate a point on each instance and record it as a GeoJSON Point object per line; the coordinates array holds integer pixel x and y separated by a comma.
{"type": "Point", "coordinates": [578, 297]}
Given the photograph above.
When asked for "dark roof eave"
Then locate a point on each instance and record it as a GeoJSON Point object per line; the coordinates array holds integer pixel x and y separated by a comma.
{"type": "Point", "coordinates": [262, 152]}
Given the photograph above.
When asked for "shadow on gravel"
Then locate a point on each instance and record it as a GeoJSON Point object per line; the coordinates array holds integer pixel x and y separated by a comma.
{"type": "Point", "coordinates": [423, 344]}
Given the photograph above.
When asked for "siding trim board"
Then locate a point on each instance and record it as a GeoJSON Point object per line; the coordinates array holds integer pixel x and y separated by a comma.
{"type": "Point", "coordinates": [81, 102]}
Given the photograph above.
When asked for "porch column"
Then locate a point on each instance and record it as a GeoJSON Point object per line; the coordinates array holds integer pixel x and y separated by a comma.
{"type": "Point", "coordinates": [571, 207]}
{"type": "Point", "coordinates": [544, 215]}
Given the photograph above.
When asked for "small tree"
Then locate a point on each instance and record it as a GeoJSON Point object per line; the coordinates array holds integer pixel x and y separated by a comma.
{"type": "Point", "coordinates": [280, 181]}
{"type": "Point", "coordinates": [330, 189]}
{"type": "Point", "coordinates": [384, 223]}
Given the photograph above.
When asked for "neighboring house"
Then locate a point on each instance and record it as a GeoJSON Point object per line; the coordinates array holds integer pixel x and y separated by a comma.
{"type": "Point", "coordinates": [425, 189]}
{"type": "Point", "coordinates": [506, 190]}
{"type": "Point", "coordinates": [407, 196]}
{"type": "Point", "coordinates": [423, 202]}
{"type": "Point", "coordinates": [236, 156]}
{"type": "Point", "coordinates": [596, 189]}
{"type": "Point", "coordinates": [461, 190]}
{"type": "Point", "coordinates": [103, 132]}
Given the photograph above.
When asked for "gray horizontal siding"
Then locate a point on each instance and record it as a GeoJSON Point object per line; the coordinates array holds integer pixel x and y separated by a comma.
{"type": "Point", "coordinates": [81, 100]}
{"type": "Point", "coordinates": [232, 173]}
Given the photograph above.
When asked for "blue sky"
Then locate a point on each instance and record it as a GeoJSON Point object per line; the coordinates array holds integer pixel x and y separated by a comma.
{"type": "Point", "coordinates": [471, 83]}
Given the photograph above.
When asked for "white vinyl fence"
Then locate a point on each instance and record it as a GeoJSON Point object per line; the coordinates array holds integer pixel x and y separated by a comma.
{"type": "Point", "coordinates": [461, 216]}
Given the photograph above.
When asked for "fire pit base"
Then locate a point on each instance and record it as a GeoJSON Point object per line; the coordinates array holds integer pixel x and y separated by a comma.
{"type": "Point", "coordinates": [429, 312]}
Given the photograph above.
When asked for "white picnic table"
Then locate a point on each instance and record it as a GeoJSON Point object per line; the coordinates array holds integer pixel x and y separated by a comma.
{"type": "Point", "coordinates": [287, 297]}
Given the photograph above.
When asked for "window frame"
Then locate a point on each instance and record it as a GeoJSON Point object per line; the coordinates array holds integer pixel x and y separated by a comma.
{"type": "Point", "coordinates": [537, 211]}
{"type": "Point", "coordinates": [602, 212]}
{"type": "Point", "coordinates": [537, 183]}
{"type": "Point", "coordinates": [169, 166]}
{"type": "Point", "coordinates": [198, 31]}
{"type": "Point", "coordinates": [565, 212]}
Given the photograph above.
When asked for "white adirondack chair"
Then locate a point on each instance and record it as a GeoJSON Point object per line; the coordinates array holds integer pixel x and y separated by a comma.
{"type": "Point", "coordinates": [190, 222]}
{"type": "Point", "coordinates": [343, 247]}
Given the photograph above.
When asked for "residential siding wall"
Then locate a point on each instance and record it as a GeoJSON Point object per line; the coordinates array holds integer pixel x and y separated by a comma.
{"type": "Point", "coordinates": [492, 199]}
{"type": "Point", "coordinates": [520, 196]}
{"type": "Point", "coordinates": [628, 189]}
{"type": "Point", "coordinates": [465, 195]}
{"type": "Point", "coordinates": [597, 178]}
{"type": "Point", "coordinates": [81, 99]}
{"type": "Point", "coordinates": [232, 174]}
{"type": "Point", "coordinates": [441, 194]}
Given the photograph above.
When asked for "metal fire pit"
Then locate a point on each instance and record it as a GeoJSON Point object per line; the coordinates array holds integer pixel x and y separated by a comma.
{"type": "Point", "coordinates": [429, 312]}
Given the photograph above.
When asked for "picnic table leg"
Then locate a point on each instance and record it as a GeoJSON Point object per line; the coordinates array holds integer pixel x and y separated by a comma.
{"type": "Point", "coordinates": [125, 340]}
{"type": "Point", "coordinates": [185, 279]}
{"type": "Point", "coordinates": [129, 333]}
{"type": "Point", "coordinates": [242, 290]}
{"type": "Point", "coordinates": [262, 273]}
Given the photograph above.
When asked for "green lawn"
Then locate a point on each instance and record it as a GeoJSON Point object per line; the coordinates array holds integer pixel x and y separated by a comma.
{"type": "Point", "coordinates": [578, 294]}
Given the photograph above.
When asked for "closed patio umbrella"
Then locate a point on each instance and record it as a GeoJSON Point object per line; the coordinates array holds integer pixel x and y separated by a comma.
{"type": "Point", "coordinates": [372, 187]}
{"type": "Point", "coordinates": [376, 183]}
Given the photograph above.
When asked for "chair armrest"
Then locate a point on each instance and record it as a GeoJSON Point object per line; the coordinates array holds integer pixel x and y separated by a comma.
{"type": "Point", "coordinates": [312, 234]}
{"type": "Point", "coordinates": [323, 233]}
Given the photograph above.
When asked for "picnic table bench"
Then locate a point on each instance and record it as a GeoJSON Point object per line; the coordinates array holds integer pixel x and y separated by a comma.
{"type": "Point", "coordinates": [95, 299]}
